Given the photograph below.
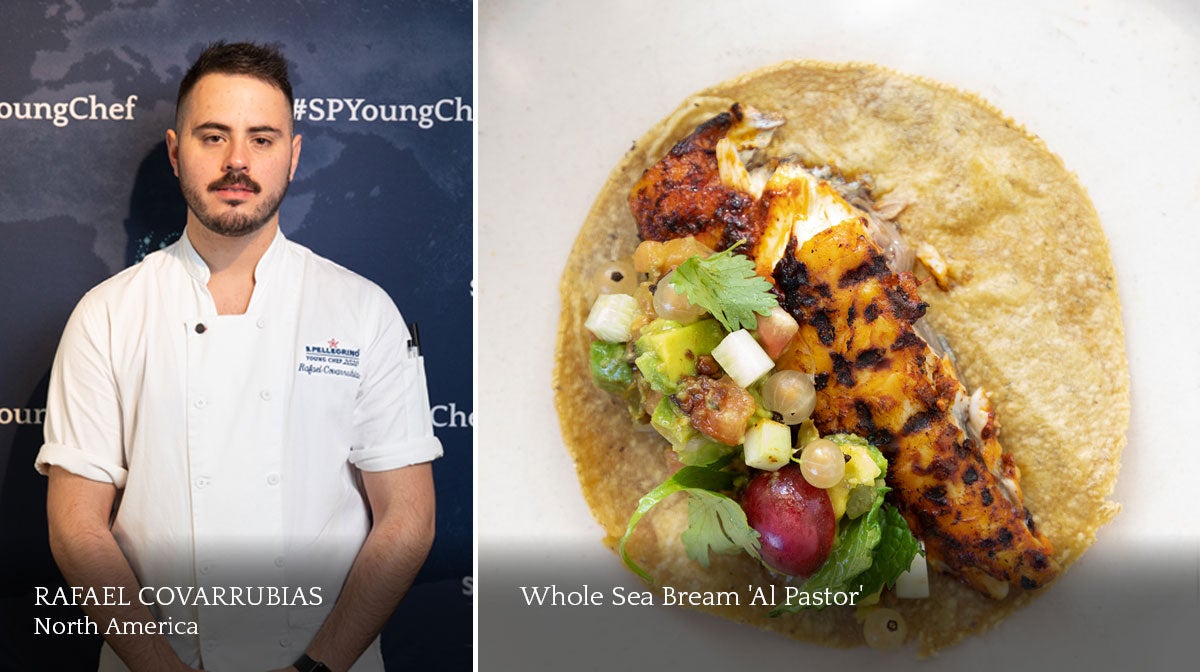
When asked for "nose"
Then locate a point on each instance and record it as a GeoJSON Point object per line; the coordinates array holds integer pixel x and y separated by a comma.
{"type": "Point", "coordinates": [236, 159]}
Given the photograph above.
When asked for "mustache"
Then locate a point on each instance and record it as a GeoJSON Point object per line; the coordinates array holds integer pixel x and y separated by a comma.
{"type": "Point", "coordinates": [235, 179]}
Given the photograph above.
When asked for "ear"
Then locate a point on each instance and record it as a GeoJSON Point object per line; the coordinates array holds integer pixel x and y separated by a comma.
{"type": "Point", "coordinates": [173, 150]}
{"type": "Point", "coordinates": [296, 142]}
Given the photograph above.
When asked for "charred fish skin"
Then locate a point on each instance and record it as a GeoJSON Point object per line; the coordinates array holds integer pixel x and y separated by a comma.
{"type": "Point", "coordinates": [683, 195]}
{"type": "Point", "coordinates": [876, 375]}
{"type": "Point", "coordinates": [882, 381]}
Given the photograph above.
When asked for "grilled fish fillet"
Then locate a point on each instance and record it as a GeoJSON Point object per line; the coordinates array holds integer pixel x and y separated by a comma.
{"type": "Point", "coordinates": [880, 371]}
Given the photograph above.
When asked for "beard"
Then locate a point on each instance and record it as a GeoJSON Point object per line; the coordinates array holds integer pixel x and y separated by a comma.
{"type": "Point", "coordinates": [240, 220]}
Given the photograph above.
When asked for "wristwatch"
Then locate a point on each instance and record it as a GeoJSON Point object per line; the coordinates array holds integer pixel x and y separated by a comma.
{"type": "Point", "coordinates": [306, 664]}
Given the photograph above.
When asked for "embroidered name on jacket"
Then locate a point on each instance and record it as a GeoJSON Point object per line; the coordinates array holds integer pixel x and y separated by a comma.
{"type": "Point", "coordinates": [330, 359]}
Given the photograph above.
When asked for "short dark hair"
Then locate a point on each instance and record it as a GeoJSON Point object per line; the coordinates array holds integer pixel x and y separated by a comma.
{"type": "Point", "coordinates": [263, 61]}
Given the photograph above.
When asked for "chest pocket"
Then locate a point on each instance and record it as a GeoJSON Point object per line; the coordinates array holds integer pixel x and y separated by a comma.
{"type": "Point", "coordinates": [325, 375]}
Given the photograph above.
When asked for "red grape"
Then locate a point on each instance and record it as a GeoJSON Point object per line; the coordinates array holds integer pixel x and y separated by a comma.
{"type": "Point", "coordinates": [794, 520]}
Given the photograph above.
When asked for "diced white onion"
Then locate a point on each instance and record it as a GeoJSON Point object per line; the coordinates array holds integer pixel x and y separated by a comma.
{"type": "Point", "coordinates": [914, 584]}
{"type": "Point", "coordinates": [742, 358]}
{"type": "Point", "coordinates": [611, 317]}
{"type": "Point", "coordinates": [768, 445]}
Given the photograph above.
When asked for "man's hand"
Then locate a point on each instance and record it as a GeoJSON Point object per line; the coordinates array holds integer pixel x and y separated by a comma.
{"type": "Point", "coordinates": [402, 511]}
{"type": "Point", "coordinates": [78, 510]}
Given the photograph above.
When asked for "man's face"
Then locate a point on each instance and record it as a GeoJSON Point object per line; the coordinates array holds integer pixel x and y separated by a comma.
{"type": "Point", "coordinates": [234, 152]}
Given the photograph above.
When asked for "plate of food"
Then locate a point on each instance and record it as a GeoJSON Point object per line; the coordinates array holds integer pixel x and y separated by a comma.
{"type": "Point", "coordinates": [954, 224]}
{"type": "Point", "coordinates": [775, 306]}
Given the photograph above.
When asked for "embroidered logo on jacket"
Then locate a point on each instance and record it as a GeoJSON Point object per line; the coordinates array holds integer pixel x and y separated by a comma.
{"type": "Point", "coordinates": [330, 358]}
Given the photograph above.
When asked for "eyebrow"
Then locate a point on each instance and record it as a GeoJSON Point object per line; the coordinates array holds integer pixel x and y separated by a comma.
{"type": "Point", "coordinates": [214, 126]}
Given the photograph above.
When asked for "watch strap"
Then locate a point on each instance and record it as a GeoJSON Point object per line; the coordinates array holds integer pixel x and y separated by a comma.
{"type": "Point", "coordinates": [306, 664]}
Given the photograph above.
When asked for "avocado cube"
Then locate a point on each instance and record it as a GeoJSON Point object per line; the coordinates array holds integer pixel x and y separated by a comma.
{"type": "Point", "coordinates": [667, 351]}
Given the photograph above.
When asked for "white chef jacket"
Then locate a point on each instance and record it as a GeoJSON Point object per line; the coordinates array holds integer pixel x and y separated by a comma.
{"type": "Point", "coordinates": [235, 440]}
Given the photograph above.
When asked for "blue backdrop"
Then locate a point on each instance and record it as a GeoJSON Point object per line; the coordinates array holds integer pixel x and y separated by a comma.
{"type": "Point", "coordinates": [87, 90]}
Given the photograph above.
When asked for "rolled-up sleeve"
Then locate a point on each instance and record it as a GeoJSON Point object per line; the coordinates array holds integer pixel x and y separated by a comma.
{"type": "Point", "coordinates": [83, 413]}
{"type": "Point", "coordinates": [393, 427]}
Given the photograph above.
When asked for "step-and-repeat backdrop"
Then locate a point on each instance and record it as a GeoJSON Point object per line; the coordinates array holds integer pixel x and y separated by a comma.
{"type": "Point", "coordinates": [384, 102]}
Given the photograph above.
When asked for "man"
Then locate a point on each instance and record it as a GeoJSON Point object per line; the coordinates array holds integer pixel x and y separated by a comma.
{"type": "Point", "coordinates": [239, 416]}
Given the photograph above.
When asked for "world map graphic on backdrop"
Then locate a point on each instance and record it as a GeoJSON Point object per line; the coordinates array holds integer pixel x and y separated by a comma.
{"type": "Point", "coordinates": [87, 90]}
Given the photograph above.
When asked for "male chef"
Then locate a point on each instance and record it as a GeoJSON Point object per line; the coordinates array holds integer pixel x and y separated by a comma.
{"type": "Point", "coordinates": [237, 415]}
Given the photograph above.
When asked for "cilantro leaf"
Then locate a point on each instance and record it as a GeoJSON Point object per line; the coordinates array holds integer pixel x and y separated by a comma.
{"type": "Point", "coordinates": [716, 521]}
{"type": "Point", "coordinates": [725, 285]}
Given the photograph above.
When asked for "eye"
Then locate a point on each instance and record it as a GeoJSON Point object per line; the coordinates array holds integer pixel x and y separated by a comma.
{"type": "Point", "coordinates": [212, 139]}
{"type": "Point", "coordinates": [261, 142]}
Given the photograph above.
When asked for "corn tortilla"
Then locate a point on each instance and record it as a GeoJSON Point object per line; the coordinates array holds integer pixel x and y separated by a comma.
{"type": "Point", "coordinates": [1032, 316]}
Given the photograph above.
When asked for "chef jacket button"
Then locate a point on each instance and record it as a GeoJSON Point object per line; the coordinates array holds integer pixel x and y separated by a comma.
{"type": "Point", "coordinates": [265, 394]}
{"type": "Point", "coordinates": [202, 482]}
{"type": "Point", "coordinates": [285, 642]}
{"type": "Point", "coordinates": [201, 403]}
{"type": "Point", "coordinates": [280, 562]}
{"type": "Point", "coordinates": [200, 328]}
{"type": "Point", "coordinates": [261, 323]}
{"type": "Point", "coordinates": [272, 479]}
{"type": "Point", "coordinates": [205, 568]}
